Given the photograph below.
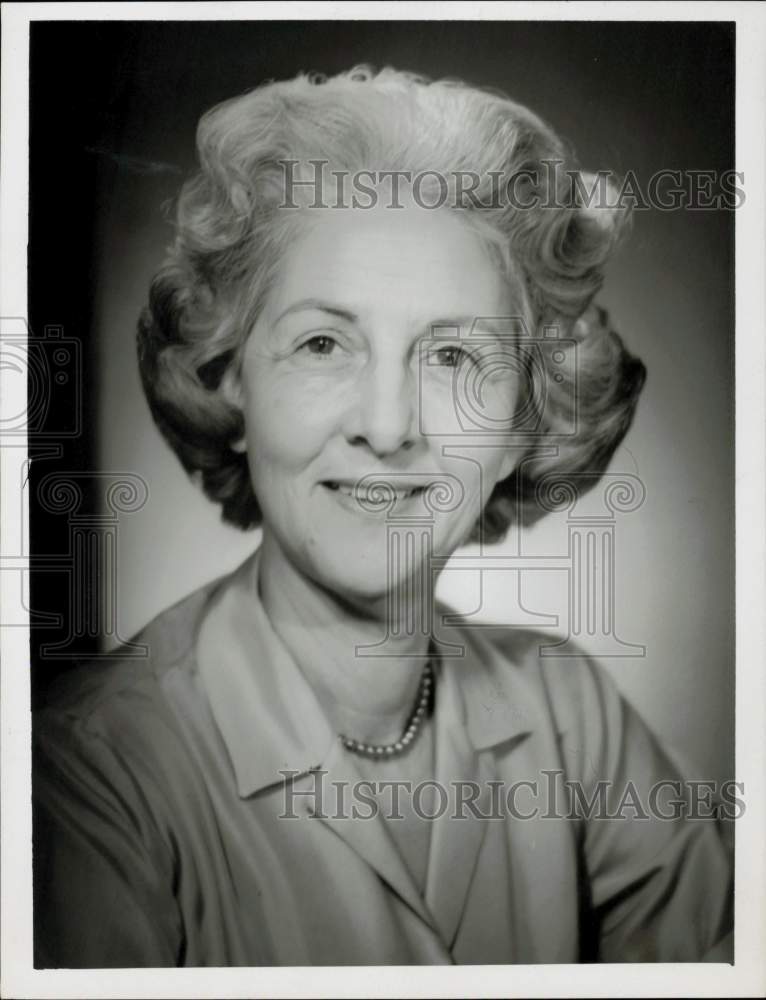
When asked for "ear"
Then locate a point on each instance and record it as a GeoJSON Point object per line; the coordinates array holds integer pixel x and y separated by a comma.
{"type": "Point", "coordinates": [231, 390]}
{"type": "Point", "coordinates": [509, 463]}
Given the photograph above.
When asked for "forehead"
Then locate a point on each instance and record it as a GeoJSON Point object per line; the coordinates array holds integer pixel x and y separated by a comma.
{"type": "Point", "coordinates": [410, 261]}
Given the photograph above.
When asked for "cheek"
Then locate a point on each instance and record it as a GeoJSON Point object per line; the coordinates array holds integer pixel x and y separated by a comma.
{"type": "Point", "coordinates": [490, 403]}
{"type": "Point", "coordinates": [439, 412]}
{"type": "Point", "coordinates": [478, 466]}
{"type": "Point", "coordinates": [287, 424]}
{"type": "Point", "coordinates": [468, 403]}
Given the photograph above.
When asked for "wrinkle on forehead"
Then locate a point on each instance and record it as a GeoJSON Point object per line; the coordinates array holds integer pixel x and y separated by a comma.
{"type": "Point", "coordinates": [414, 265]}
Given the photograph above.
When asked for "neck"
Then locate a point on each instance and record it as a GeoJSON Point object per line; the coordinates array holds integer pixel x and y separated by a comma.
{"type": "Point", "coordinates": [367, 697]}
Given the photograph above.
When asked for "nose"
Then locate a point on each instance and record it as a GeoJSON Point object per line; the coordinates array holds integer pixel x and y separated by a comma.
{"type": "Point", "coordinates": [384, 413]}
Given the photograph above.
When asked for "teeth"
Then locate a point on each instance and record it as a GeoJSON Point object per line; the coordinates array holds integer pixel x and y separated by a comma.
{"type": "Point", "coordinates": [366, 494]}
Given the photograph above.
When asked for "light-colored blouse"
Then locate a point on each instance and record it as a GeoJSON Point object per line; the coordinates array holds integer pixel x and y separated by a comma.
{"type": "Point", "coordinates": [166, 832]}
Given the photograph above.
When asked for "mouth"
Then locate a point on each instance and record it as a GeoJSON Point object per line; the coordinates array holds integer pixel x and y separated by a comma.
{"type": "Point", "coordinates": [374, 493]}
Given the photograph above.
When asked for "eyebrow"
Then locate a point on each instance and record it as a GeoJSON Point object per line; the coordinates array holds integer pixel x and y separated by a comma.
{"type": "Point", "coordinates": [349, 316]}
{"type": "Point", "coordinates": [453, 321]}
{"type": "Point", "coordinates": [468, 325]}
{"type": "Point", "coordinates": [319, 305]}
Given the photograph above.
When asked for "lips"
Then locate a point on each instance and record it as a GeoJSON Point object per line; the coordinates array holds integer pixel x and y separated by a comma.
{"type": "Point", "coordinates": [372, 492]}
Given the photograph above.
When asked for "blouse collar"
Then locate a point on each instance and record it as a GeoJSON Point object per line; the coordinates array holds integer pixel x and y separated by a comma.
{"type": "Point", "coordinates": [270, 719]}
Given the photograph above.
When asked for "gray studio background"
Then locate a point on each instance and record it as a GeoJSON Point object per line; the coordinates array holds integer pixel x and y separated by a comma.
{"type": "Point", "coordinates": [627, 97]}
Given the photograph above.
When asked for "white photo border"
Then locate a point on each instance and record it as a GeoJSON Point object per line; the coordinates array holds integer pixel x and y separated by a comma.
{"type": "Point", "coordinates": [747, 977]}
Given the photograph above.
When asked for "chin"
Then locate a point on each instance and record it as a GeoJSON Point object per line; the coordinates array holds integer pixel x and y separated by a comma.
{"type": "Point", "coordinates": [371, 564]}
{"type": "Point", "coordinates": [364, 575]}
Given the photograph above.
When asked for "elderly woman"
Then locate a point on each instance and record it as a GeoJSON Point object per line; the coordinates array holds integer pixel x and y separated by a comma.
{"type": "Point", "coordinates": [315, 764]}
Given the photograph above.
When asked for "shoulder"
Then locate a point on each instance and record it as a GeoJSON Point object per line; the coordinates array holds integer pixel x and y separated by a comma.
{"type": "Point", "coordinates": [122, 700]}
{"type": "Point", "coordinates": [567, 677]}
{"type": "Point", "coordinates": [534, 684]}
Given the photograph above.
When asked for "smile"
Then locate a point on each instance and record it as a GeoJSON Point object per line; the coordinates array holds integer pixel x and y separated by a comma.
{"type": "Point", "coordinates": [372, 494]}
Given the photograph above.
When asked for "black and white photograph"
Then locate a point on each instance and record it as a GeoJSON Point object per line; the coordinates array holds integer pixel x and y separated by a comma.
{"type": "Point", "coordinates": [382, 460]}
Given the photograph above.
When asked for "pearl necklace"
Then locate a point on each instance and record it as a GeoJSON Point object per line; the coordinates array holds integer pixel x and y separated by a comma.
{"type": "Point", "coordinates": [409, 734]}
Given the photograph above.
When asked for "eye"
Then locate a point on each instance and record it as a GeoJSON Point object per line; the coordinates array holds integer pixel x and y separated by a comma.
{"type": "Point", "coordinates": [449, 356]}
{"type": "Point", "coordinates": [321, 345]}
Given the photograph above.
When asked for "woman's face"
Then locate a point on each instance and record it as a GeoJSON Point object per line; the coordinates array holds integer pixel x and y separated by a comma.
{"type": "Point", "coordinates": [366, 363]}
